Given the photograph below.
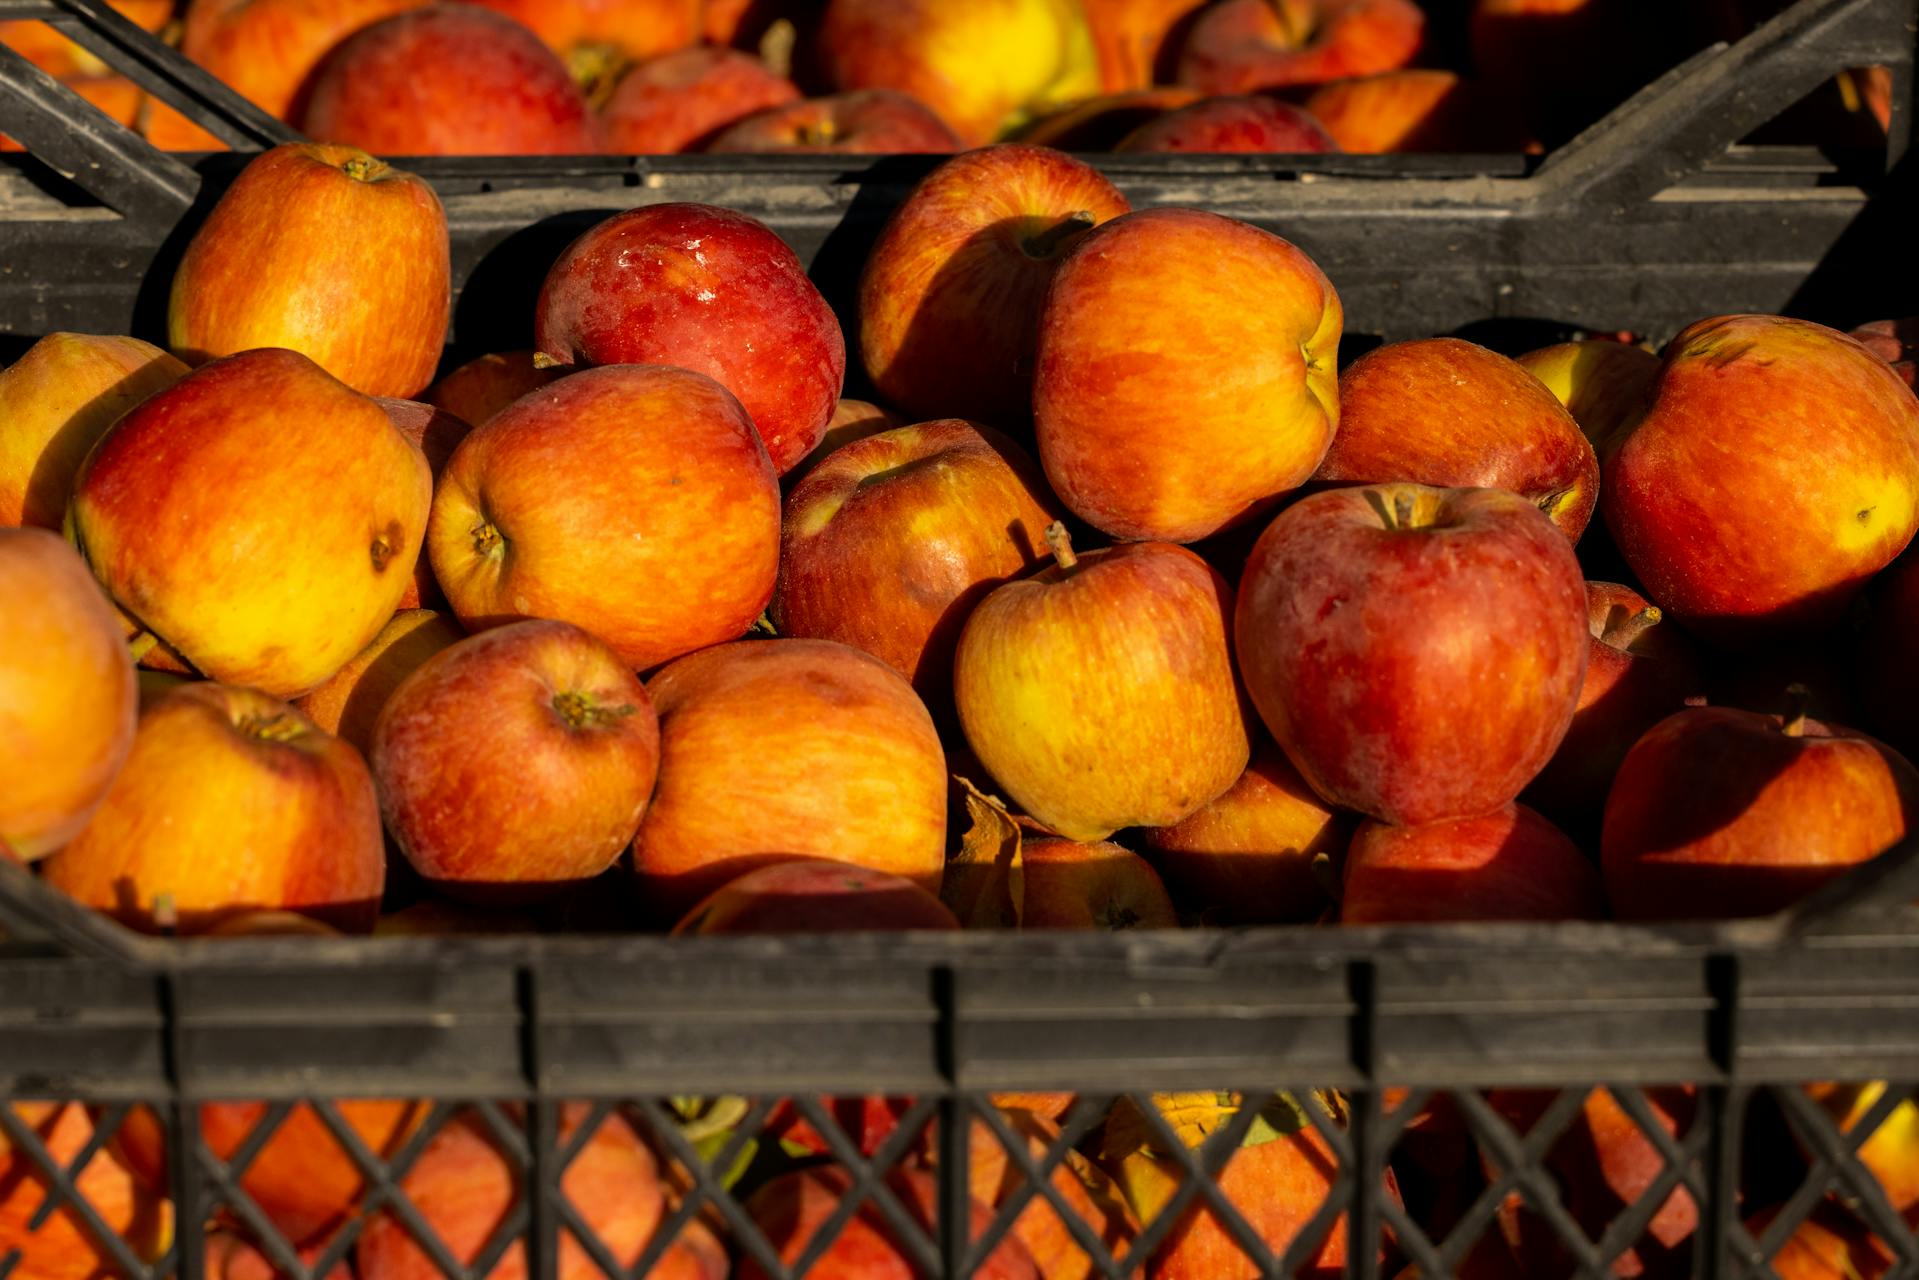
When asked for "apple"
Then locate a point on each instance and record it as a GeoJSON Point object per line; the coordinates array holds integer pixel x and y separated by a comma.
{"type": "Point", "coordinates": [435, 433]}
{"type": "Point", "coordinates": [816, 895]}
{"type": "Point", "coordinates": [679, 101]}
{"type": "Point", "coordinates": [1098, 124]}
{"type": "Point", "coordinates": [1639, 672]}
{"type": "Point", "coordinates": [1247, 857]}
{"type": "Point", "coordinates": [168, 129]}
{"type": "Point", "coordinates": [1238, 46]}
{"type": "Point", "coordinates": [1087, 1190]}
{"type": "Point", "coordinates": [325, 251]}
{"type": "Point", "coordinates": [348, 703]}
{"type": "Point", "coordinates": [1138, 41]}
{"type": "Point", "coordinates": [1242, 123]}
{"type": "Point", "coordinates": [950, 298]}
{"type": "Point", "coordinates": [1891, 1151]}
{"type": "Point", "coordinates": [67, 693]}
{"type": "Point", "coordinates": [1776, 470]}
{"type": "Point", "coordinates": [852, 420]}
{"type": "Point", "coordinates": [1067, 885]}
{"type": "Point", "coordinates": [449, 80]}
{"type": "Point", "coordinates": [230, 801]}
{"type": "Point", "coordinates": [1510, 864]}
{"type": "Point", "coordinates": [1417, 652]}
{"type": "Point", "coordinates": [62, 1247]}
{"type": "Point", "coordinates": [229, 1256]}
{"type": "Point", "coordinates": [267, 50]}
{"type": "Point", "coordinates": [985, 67]}
{"type": "Point", "coordinates": [487, 384]}
{"type": "Point", "coordinates": [772, 750]}
{"type": "Point", "coordinates": [1153, 422]}
{"type": "Point", "coordinates": [709, 290]}
{"type": "Point", "coordinates": [1892, 341]}
{"type": "Point", "coordinates": [1603, 384]}
{"type": "Point", "coordinates": [1718, 812]}
{"type": "Point", "coordinates": [889, 543]}
{"type": "Point", "coordinates": [1100, 693]}
{"type": "Point", "coordinates": [259, 516]}
{"type": "Point", "coordinates": [1414, 110]}
{"type": "Point", "coordinates": [45, 47]}
{"type": "Point", "coordinates": [858, 122]}
{"type": "Point", "coordinates": [1885, 673]}
{"type": "Point", "coordinates": [1830, 1244]}
{"type": "Point", "coordinates": [1451, 414]}
{"type": "Point", "coordinates": [633, 501]}
{"type": "Point", "coordinates": [598, 39]}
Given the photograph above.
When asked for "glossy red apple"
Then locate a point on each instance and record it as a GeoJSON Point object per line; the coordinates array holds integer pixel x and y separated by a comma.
{"type": "Point", "coordinates": [1510, 864]}
{"type": "Point", "coordinates": [1243, 123]}
{"type": "Point", "coordinates": [858, 122]}
{"type": "Point", "coordinates": [682, 100]}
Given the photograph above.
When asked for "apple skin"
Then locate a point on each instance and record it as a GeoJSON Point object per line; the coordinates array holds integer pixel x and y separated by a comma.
{"type": "Point", "coordinates": [449, 80]}
{"type": "Point", "coordinates": [1100, 693]}
{"type": "Point", "coordinates": [1831, 1244]}
{"type": "Point", "coordinates": [678, 102]}
{"type": "Point", "coordinates": [1099, 124]}
{"type": "Point", "coordinates": [709, 290]}
{"type": "Point", "coordinates": [950, 298]}
{"type": "Point", "coordinates": [1890, 1152]}
{"type": "Point", "coordinates": [983, 67]}
{"type": "Point", "coordinates": [1639, 672]}
{"type": "Point", "coordinates": [46, 48]}
{"type": "Point", "coordinates": [1414, 110]}
{"type": "Point", "coordinates": [1152, 423]}
{"type": "Point", "coordinates": [816, 896]}
{"type": "Point", "coordinates": [1603, 385]}
{"type": "Point", "coordinates": [61, 1248]}
{"type": "Point", "coordinates": [1419, 659]}
{"type": "Point", "coordinates": [857, 122]}
{"type": "Point", "coordinates": [230, 1256]}
{"type": "Point", "coordinates": [348, 704]}
{"type": "Point", "coordinates": [1100, 885]}
{"type": "Point", "coordinates": [1247, 857]}
{"type": "Point", "coordinates": [67, 694]}
{"type": "Point", "coordinates": [456, 744]}
{"type": "Point", "coordinates": [267, 50]}
{"type": "Point", "coordinates": [845, 765]}
{"type": "Point", "coordinates": [326, 251]}
{"type": "Point", "coordinates": [597, 37]}
{"type": "Point", "coordinates": [435, 433]}
{"type": "Point", "coordinates": [1776, 470]}
{"type": "Point", "coordinates": [1451, 414]}
{"type": "Point", "coordinates": [230, 801]}
{"type": "Point", "coordinates": [55, 401]}
{"type": "Point", "coordinates": [1239, 46]}
{"type": "Point", "coordinates": [1892, 341]}
{"type": "Point", "coordinates": [889, 543]}
{"type": "Point", "coordinates": [852, 420]}
{"type": "Point", "coordinates": [1885, 672]}
{"type": "Point", "coordinates": [1138, 41]}
{"type": "Point", "coordinates": [1087, 1190]}
{"type": "Point", "coordinates": [259, 516]}
{"type": "Point", "coordinates": [1225, 124]}
{"type": "Point", "coordinates": [1510, 864]}
{"type": "Point", "coordinates": [487, 384]}
{"type": "Point", "coordinates": [635, 501]}
{"type": "Point", "coordinates": [1719, 813]}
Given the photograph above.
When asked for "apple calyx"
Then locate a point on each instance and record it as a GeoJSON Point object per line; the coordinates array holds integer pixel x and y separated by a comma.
{"type": "Point", "coordinates": [488, 543]}
{"type": "Point", "coordinates": [578, 711]}
{"type": "Point", "coordinates": [385, 546]}
{"type": "Point", "coordinates": [596, 66]}
{"type": "Point", "coordinates": [1051, 242]}
{"type": "Point", "coordinates": [818, 133]}
{"type": "Point", "coordinates": [1623, 634]}
{"type": "Point", "coordinates": [276, 726]}
{"type": "Point", "coordinates": [1060, 543]}
{"type": "Point", "coordinates": [362, 167]}
{"type": "Point", "coordinates": [1399, 516]}
{"type": "Point", "coordinates": [1798, 700]}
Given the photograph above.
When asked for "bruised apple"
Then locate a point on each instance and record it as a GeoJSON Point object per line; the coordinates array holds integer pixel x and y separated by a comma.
{"type": "Point", "coordinates": [1510, 864]}
{"type": "Point", "coordinates": [350, 701]}
{"type": "Point", "coordinates": [1091, 886]}
{"type": "Point", "coordinates": [816, 896]}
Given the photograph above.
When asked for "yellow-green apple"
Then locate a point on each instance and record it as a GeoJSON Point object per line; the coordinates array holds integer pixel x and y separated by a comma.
{"type": "Point", "coordinates": [598, 39]}
{"type": "Point", "coordinates": [1639, 672]}
{"type": "Point", "coordinates": [857, 122]}
{"type": "Point", "coordinates": [1247, 857]}
{"type": "Point", "coordinates": [633, 501]}
{"type": "Point", "coordinates": [1718, 812]}
{"type": "Point", "coordinates": [1891, 1151]}
{"type": "Point", "coordinates": [772, 750]}
{"type": "Point", "coordinates": [53, 1243]}
{"type": "Point", "coordinates": [985, 67]}
{"type": "Point", "coordinates": [852, 420]}
{"type": "Point", "coordinates": [889, 543]}
{"type": "Point", "coordinates": [681, 100]}
{"type": "Point", "coordinates": [791, 1209]}
{"type": "Point", "coordinates": [267, 49]}
{"type": "Point", "coordinates": [1602, 384]}
{"type": "Point", "coordinates": [55, 401]}
{"type": "Point", "coordinates": [1138, 41]}
{"type": "Point", "coordinates": [950, 298]}
{"type": "Point", "coordinates": [67, 693]}
{"type": "Point", "coordinates": [709, 290]}
{"type": "Point", "coordinates": [449, 80]}
{"type": "Point", "coordinates": [1510, 864]}
{"type": "Point", "coordinates": [234, 1257]}
{"type": "Point", "coordinates": [1776, 470]}
{"type": "Point", "coordinates": [1448, 413]}
{"type": "Point", "coordinates": [1238, 46]}
{"type": "Point", "coordinates": [1417, 652]}
{"type": "Point", "coordinates": [1099, 885]}
{"type": "Point", "coordinates": [1894, 342]}
{"type": "Point", "coordinates": [348, 703]}
{"type": "Point", "coordinates": [1248, 122]}
{"type": "Point", "coordinates": [487, 384]}
{"type": "Point", "coordinates": [1098, 124]}
{"type": "Point", "coordinates": [1100, 692]}
{"type": "Point", "coordinates": [1887, 676]}
{"type": "Point", "coordinates": [325, 251]}
{"type": "Point", "coordinates": [435, 433]}
{"type": "Point", "coordinates": [1414, 110]}
{"type": "Point", "coordinates": [230, 801]}
{"type": "Point", "coordinates": [816, 895]}
{"type": "Point", "coordinates": [259, 516]}
{"type": "Point", "coordinates": [515, 762]}
{"type": "Point", "coordinates": [1153, 424]}
{"type": "Point", "coordinates": [1831, 1244]}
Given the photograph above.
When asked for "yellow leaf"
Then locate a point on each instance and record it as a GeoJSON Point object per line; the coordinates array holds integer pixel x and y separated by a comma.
{"type": "Point", "coordinates": [982, 882]}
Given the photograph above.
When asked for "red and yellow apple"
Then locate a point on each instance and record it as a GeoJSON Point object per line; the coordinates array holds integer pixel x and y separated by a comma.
{"type": "Point", "coordinates": [852, 420]}
{"type": "Point", "coordinates": [1138, 41]}
{"type": "Point", "coordinates": [678, 102]}
{"type": "Point", "coordinates": [435, 433]}
{"type": "Point", "coordinates": [816, 895]}
{"type": "Point", "coordinates": [1414, 110]}
{"type": "Point", "coordinates": [1099, 885]}
{"type": "Point", "coordinates": [230, 1256]}
{"type": "Point", "coordinates": [348, 703]}
{"type": "Point", "coordinates": [1603, 384]}
{"type": "Point", "coordinates": [599, 38]}
{"type": "Point", "coordinates": [487, 384]}
{"type": "Point", "coordinates": [1248, 122]}
{"type": "Point", "coordinates": [1510, 864]}
{"type": "Point", "coordinates": [63, 1247]}
{"type": "Point", "coordinates": [857, 122]}
{"type": "Point", "coordinates": [1831, 1244]}
{"type": "Point", "coordinates": [1238, 46]}
{"type": "Point", "coordinates": [267, 50]}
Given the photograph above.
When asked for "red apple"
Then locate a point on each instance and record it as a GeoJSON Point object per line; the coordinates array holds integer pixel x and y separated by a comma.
{"type": "Point", "coordinates": [816, 896]}
{"type": "Point", "coordinates": [449, 80]}
{"type": "Point", "coordinates": [1153, 422]}
{"type": "Point", "coordinates": [1887, 677]}
{"type": "Point", "coordinates": [1510, 864]}
{"type": "Point", "coordinates": [852, 420]}
{"type": "Point", "coordinates": [889, 543]}
{"type": "Point", "coordinates": [234, 1257]}
{"type": "Point", "coordinates": [516, 761]}
{"type": "Point", "coordinates": [1776, 470]}
{"type": "Point", "coordinates": [951, 294]}
{"type": "Point", "coordinates": [1246, 123]}
{"type": "Point", "coordinates": [435, 433]}
{"type": "Point", "coordinates": [635, 502]}
{"type": "Point", "coordinates": [1639, 672]}
{"type": "Point", "coordinates": [1417, 652]}
{"type": "Point", "coordinates": [1415, 110]}
{"type": "Point", "coordinates": [1091, 886]}
{"type": "Point", "coordinates": [1451, 414]}
{"type": "Point", "coordinates": [325, 251]}
{"type": "Point", "coordinates": [858, 122]}
{"type": "Point", "coordinates": [1238, 46]}
{"type": "Point", "coordinates": [487, 384]}
{"type": "Point", "coordinates": [1138, 41]}
{"type": "Point", "coordinates": [1100, 693]}
{"type": "Point", "coordinates": [1892, 341]}
{"type": "Point", "coordinates": [600, 38]}
{"type": "Point", "coordinates": [709, 290]}
{"type": "Point", "coordinates": [267, 50]}
{"type": "Point", "coordinates": [1098, 124]}
{"type": "Point", "coordinates": [63, 1247]}
{"type": "Point", "coordinates": [348, 704]}
{"type": "Point", "coordinates": [1718, 812]}
{"type": "Point", "coordinates": [680, 101]}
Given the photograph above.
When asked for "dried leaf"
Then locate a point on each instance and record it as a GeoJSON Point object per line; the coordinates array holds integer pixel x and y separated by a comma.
{"type": "Point", "coordinates": [982, 884]}
{"type": "Point", "coordinates": [1194, 1117]}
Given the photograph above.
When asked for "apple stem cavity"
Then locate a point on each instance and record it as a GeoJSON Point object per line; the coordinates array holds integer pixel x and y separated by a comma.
{"type": "Point", "coordinates": [1798, 701]}
{"type": "Point", "coordinates": [1060, 543]}
{"type": "Point", "coordinates": [1402, 510]}
{"type": "Point", "coordinates": [487, 540]}
{"type": "Point", "coordinates": [580, 712]}
{"type": "Point", "coordinates": [1050, 242]}
{"type": "Point", "coordinates": [363, 168]}
{"type": "Point", "coordinates": [272, 728]}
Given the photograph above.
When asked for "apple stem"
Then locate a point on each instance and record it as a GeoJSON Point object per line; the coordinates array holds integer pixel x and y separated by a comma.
{"type": "Point", "coordinates": [1402, 510]}
{"type": "Point", "coordinates": [1623, 635]}
{"type": "Point", "coordinates": [541, 360]}
{"type": "Point", "coordinates": [141, 645]}
{"type": "Point", "coordinates": [1060, 543]}
{"type": "Point", "coordinates": [1054, 238]}
{"type": "Point", "coordinates": [1798, 700]}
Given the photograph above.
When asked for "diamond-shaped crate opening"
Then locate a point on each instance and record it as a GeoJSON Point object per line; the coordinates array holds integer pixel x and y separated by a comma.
{"type": "Point", "coordinates": [70, 1208]}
